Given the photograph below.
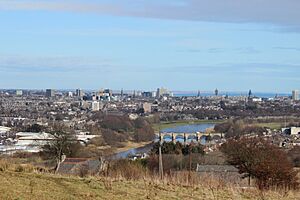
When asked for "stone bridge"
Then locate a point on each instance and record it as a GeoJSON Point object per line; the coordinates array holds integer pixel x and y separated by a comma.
{"type": "Point", "coordinates": [187, 136]}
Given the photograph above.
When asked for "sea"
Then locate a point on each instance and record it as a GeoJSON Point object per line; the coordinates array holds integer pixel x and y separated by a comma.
{"type": "Point", "coordinates": [231, 94]}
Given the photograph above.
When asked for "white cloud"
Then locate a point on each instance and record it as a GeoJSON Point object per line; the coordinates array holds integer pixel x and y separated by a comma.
{"type": "Point", "coordinates": [279, 12]}
{"type": "Point", "coordinates": [54, 64]}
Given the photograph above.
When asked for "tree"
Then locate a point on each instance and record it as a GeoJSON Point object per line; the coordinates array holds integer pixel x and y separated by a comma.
{"type": "Point", "coordinates": [112, 137]}
{"type": "Point", "coordinates": [259, 159]}
{"type": "Point", "coordinates": [143, 134]}
{"type": "Point", "coordinates": [35, 128]}
{"type": "Point", "coordinates": [178, 148]}
{"type": "Point", "coordinates": [117, 123]}
{"type": "Point", "coordinates": [63, 142]}
{"type": "Point", "coordinates": [294, 155]}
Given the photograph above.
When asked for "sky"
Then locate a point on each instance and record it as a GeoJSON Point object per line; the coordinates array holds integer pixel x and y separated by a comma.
{"type": "Point", "coordinates": [182, 45]}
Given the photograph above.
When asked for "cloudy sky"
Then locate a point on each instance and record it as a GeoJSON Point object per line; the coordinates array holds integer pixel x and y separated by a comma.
{"type": "Point", "coordinates": [233, 45]}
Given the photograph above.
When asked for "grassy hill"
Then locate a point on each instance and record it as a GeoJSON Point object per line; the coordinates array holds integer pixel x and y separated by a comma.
{"type": "Point", "coordinates": [21, 185]}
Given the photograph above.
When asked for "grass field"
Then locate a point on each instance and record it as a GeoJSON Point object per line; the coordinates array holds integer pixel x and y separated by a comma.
{"type": "Point", "coordinates": [33, 186]}
{"type": "Point", "coordinates": [271, 125]}
{"type": "Point", "coordinates": [171, 124]}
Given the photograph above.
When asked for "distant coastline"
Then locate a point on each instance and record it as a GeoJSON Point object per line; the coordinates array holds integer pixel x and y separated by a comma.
{"type": "Point", "coordinates": [206, 94]}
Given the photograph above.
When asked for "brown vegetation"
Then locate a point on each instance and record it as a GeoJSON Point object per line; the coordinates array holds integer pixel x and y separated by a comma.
{"type": "Point", "coordinates": [237, 128]}
{"type": "Point", "coordinates": [263, 161]}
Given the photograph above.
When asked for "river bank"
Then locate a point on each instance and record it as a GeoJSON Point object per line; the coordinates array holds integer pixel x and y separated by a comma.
{"type": "Point", "coordinates": [175, 126]}
{"type": "Point", "coordinates": [131, 145]}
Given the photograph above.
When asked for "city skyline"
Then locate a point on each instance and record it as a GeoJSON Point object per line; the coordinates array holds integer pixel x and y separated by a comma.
{"type": "Point", "coordinates": [182, 45]}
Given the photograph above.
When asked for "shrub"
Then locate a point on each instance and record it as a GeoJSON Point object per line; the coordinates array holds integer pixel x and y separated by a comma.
{"type": "Point", "coordinates": [4, 165]}
{"type": "Point", "coordinates": [130, 170]}
{"type": "Point", "coordinates": [143, 134]}
{"type": "Point", "coordinates": [263, 161]}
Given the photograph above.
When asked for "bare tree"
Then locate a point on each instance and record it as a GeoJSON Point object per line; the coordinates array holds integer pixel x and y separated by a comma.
{"type": "Point", "coordinates": [263, 161]}
{"type": "Point", "coordinates": [62, 143]}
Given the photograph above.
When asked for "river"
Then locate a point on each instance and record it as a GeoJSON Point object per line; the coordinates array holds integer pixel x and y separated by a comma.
{"type": "Point", "coordinates": [189, 128]}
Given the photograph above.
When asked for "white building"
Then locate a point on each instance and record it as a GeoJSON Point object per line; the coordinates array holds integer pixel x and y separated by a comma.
{"type": "Point", "coordinates": [95, 106]}
{"type": "Point", "coordinates": [19, 92]}
{"type": "Point", "coordinates": [147, 107]}
{"type": "Point", "coordinates": [70, 94]}
{"type": "Point", "coordinates": [291, 130]}
{"type": "Point", "coordinates": [4, 130]}
{"type": "Point", "coordinates": [295, 95]}
{"type": "Point", "coordinates": [257, 99]}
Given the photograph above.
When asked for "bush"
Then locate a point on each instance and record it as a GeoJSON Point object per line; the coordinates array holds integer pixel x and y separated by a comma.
{"type": "Point", "coordinates": [35, 128]}
{"type": "Point", "coordinates": [178, 148]}
{"type": "Point", "coordinates": [83, 170]}
{"type": "Point", "coordinates": [4, 165]}
{"type": "Point", "coordinates": [130, 170]}
{"type": "Point", "coordinates": [24, 168]}
{"type": "Point", "coordinates": [112, 137]}
{"type": "Point", "coordinates": [263, 161]}
{"type": "Point", "coordinates": [117, 123]}
{"type": "Point", "coordinates": [144, 134]}
{"type": "Point", "coordinates": [294, 156]}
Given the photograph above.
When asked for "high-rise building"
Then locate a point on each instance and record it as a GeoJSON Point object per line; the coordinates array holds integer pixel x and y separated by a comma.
{"type": "Point", "coordinates": [79, 93]}
{"type": "Point", "coordinates": [216, 92]}
{"type": "Point", "coordinates": [147, 94]}
{"type": "Point", "coordinates": [50, 93]}
{"type": "Point", "coordinates": [19, 92]}
{"type": "Point", "coordinates": [161, 92]}
{"type": "Point", "coordinates": [295, 95]}
{"type": "Point", "coordinates": [70, 94]}
{"type": "Point", "coordinates": [122, 93]}
{"type": "Point", "coordinates": [250, 93]}
{"type": "Point", "coordinates": [108, 92]}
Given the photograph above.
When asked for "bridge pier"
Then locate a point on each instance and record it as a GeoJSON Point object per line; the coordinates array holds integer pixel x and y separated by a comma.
{"type": "Point", "coordinates": [197, 136]}
{"type": "Point", "coordinates": [174, 138]}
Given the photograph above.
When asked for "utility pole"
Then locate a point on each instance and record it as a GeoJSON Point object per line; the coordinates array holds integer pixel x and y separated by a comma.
{"type": "Point", "coordinates": [190, 162]}
{"type": "Point", "coordinates": [160, 163]}
{"type": "Point", "coordinates": [161, 170]}
{"type": "Point", "coordinates": [284, 121]}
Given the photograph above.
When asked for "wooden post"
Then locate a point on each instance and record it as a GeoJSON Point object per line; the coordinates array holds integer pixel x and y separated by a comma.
{"type": "Point", "coordinates": [161, 171]}
{"type": "Point", "coordinates": [190, 163]}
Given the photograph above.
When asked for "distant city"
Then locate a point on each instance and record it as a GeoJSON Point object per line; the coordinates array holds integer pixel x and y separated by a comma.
{"type": "Point", "coordinates": [73, 92]}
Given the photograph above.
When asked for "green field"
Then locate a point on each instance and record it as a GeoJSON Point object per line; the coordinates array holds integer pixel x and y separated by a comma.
{"type": "Point", "coordinates": [170, 124]}
{"type": "Point", "coordinates": [33, 186]}
{"type": "Point", "coordinates": [271, 125]}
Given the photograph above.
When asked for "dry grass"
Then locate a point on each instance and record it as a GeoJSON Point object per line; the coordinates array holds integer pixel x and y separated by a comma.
{"type": "Point", "coordinates": [23, 181]}
{"type": "Point", "coordinates": [15, 185]}
{"type": "Point", "coordinates": [16, 165]}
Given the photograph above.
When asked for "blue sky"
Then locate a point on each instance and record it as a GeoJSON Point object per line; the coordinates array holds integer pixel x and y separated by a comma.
{"type": "Point", "coordinates": [143, 44]}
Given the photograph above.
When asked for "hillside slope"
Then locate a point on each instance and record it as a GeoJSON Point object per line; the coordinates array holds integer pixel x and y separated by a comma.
{"type": "Point", "coordinates": [16, 185]}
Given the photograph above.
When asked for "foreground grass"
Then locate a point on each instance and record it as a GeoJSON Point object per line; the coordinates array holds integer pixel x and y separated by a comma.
{"type": "Point", "coordinates": [170, 124]}
{"type": "Point", "coordinates": [46, 186]}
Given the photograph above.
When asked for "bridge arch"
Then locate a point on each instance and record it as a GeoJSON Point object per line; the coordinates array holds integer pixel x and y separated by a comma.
{"type": "Point", "coordinates": [187, 137]}
{"type": "Point", "coordinates": [167, 136]}
{"type": "Point", "coordinates": [179, 136]}
{"type": "Point", "coordinates": [192, 138]}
